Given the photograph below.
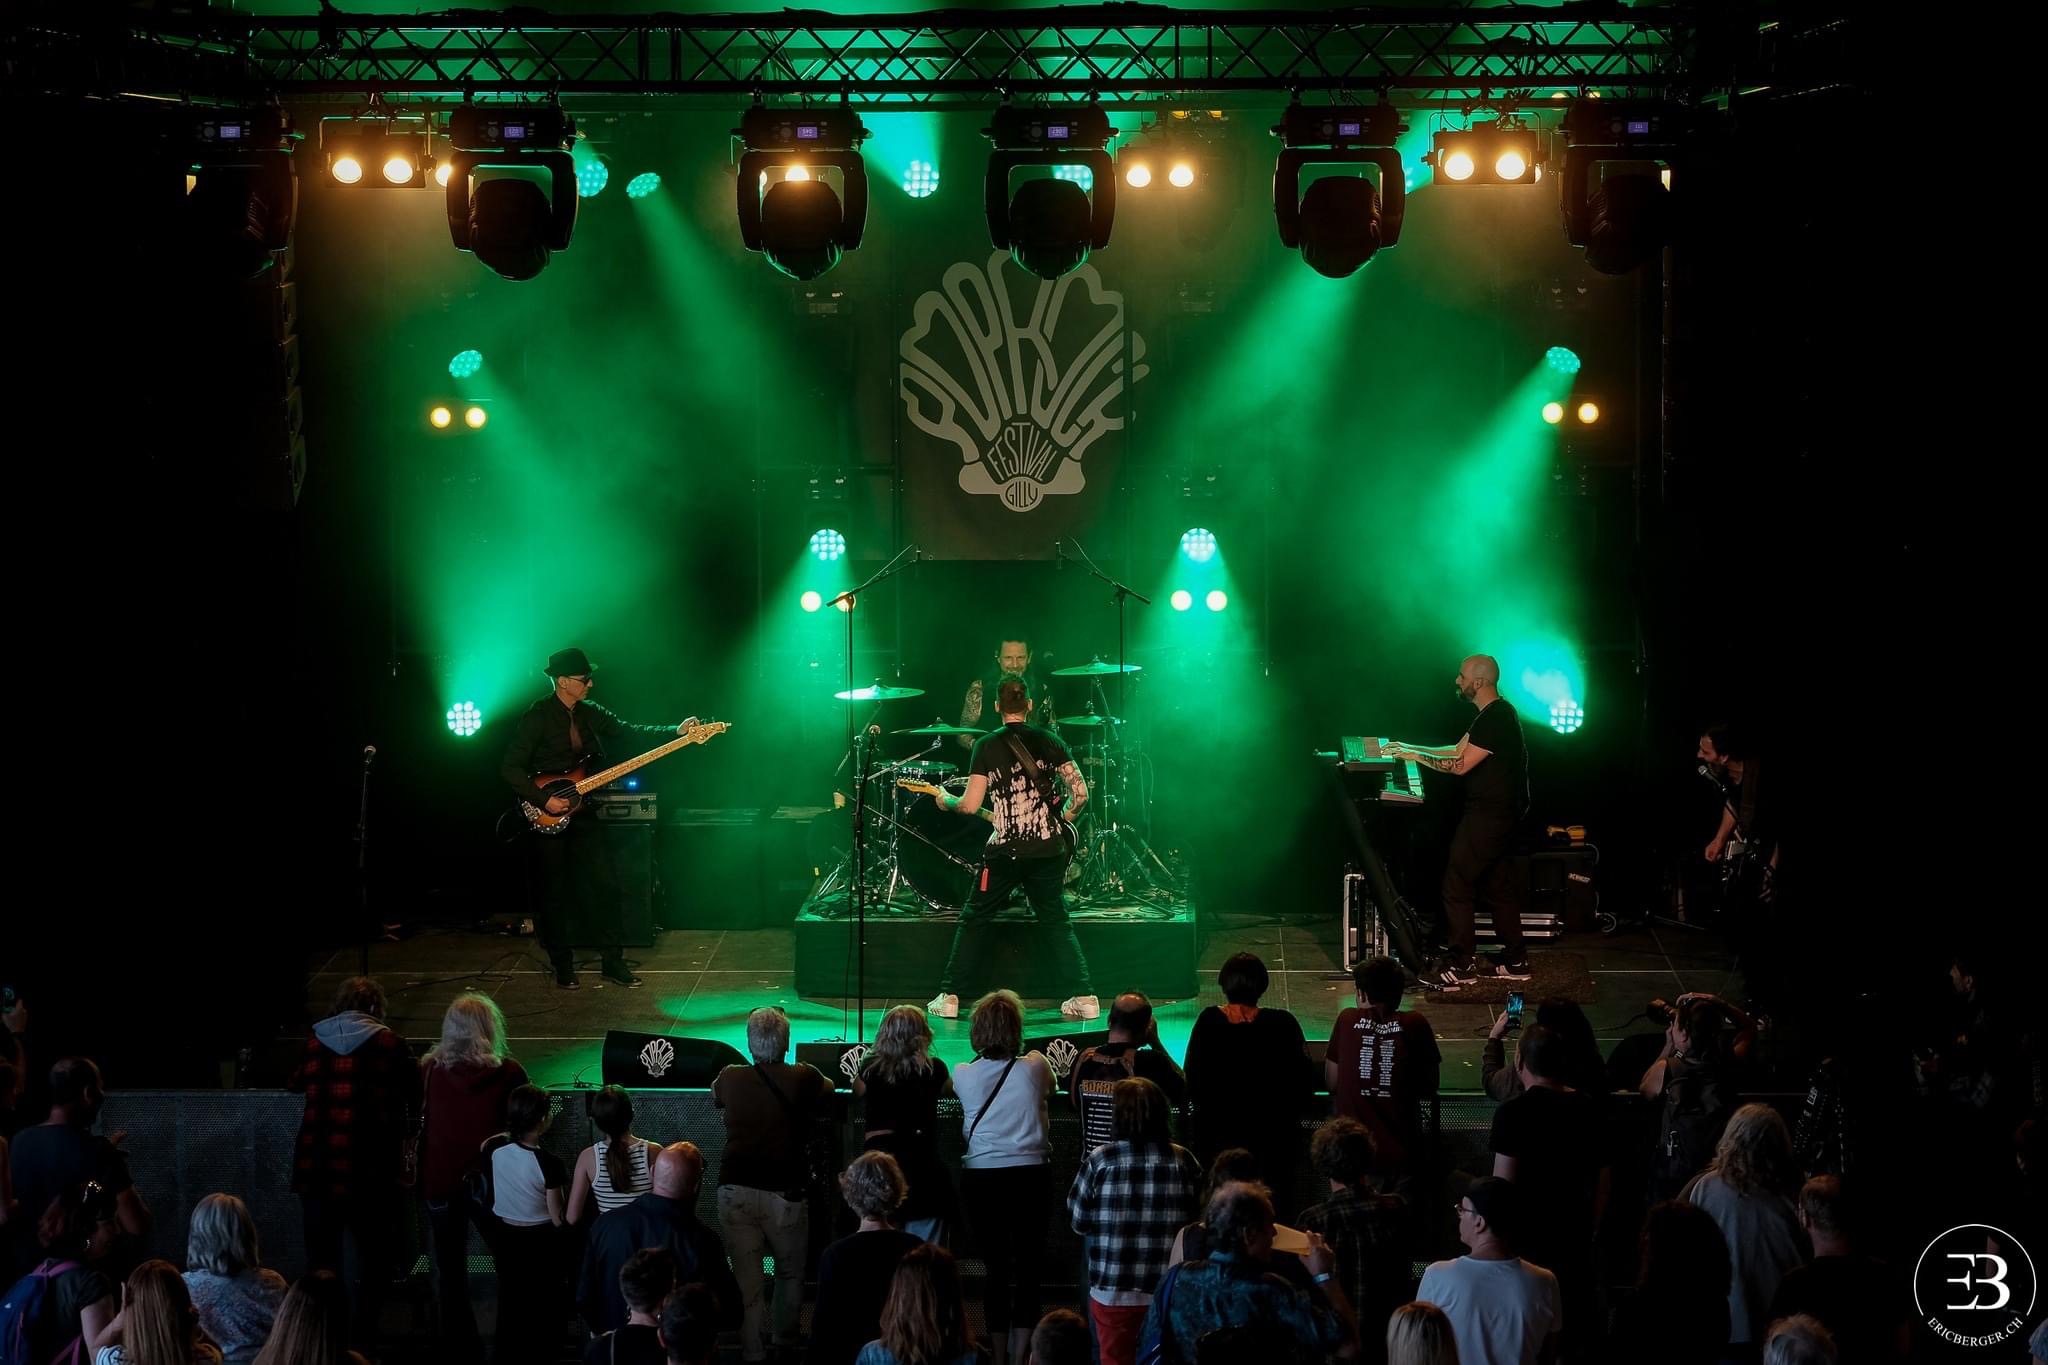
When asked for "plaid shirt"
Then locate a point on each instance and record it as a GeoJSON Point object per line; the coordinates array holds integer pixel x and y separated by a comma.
{"type": "Point", "coordinates": [1367, 1232]}
{"type": "Point", "coordinates": [359, 1107]}
{"type": "Point", "coordinates": [1129, 1200]}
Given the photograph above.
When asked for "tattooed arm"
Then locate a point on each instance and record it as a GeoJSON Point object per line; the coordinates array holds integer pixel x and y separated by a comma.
{"type": "Point", "coordinates": [1077, 787]}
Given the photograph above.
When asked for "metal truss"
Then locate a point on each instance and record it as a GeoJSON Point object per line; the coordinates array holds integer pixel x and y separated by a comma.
{"type": "Point", "coordinates": [1122, 54]}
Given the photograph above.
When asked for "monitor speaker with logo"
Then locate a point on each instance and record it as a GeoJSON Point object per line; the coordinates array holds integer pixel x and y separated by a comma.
{"type": "Point", "coordinates": [839, 1061]}
{"type": "Point", "coordinates": [1062, 1050]}
{"type": "Point", "coordinates": [655, 1061]}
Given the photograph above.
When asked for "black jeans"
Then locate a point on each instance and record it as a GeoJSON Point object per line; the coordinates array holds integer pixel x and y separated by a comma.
{"type": "Point", "coordinates": [1044, 883]}
{"type": "Point", "coordinates": [532, 1294]}
{"type": "Point", "coordinates": [450, 1223]}
{"type": "Point", "coordinates": [375, 1222]}
{"type": "Point", "coordinates": [1480, 866]}
{"type": "Point", "coordinates": [576, 891]}
{"type": "Point", "coordinates": [1006, 1211]}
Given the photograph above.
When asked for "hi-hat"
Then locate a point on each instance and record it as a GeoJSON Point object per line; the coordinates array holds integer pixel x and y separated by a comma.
{"type": "Point", "coordinates": [939, 730]}
{"type": "Point", "coordinates": [1096, 669]}
{"type": "Point", "coordinates": [1089, 720]}
{"type": "Point", "coordinates": [879, 693]}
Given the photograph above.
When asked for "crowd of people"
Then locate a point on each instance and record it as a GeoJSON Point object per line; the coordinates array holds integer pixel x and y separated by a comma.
{"type": "Point", "coordinates": [1216, 1228]}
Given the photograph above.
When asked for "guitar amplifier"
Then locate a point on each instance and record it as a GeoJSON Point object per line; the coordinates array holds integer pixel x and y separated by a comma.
{"type": "Point", "coordinates": [629, 824]}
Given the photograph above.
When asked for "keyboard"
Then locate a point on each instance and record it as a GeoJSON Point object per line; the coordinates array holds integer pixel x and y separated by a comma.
{"type": "Point", "coordinates": [1399, 779]}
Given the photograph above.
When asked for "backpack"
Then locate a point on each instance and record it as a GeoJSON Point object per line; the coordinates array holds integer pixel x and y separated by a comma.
{"type": "Point", "coordinates": [1697, 1102]}
{"type": "Point", "coordinates": [23, 1307]}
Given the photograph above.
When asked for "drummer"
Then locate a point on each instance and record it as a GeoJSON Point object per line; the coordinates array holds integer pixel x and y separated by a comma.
{"type": "Point", "coordinates": [1012, 661]}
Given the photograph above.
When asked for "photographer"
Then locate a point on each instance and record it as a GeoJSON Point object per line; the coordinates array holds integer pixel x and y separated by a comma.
{"type": "Point", "coordinates": [1693, 1078]}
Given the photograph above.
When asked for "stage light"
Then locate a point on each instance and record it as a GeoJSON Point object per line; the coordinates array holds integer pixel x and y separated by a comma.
{"type": "Point", "coordinates": [845, 603]}
{"type": "Point", "coordinates": [1562, 359]}
{"type": "Point", "coordinates": [1589, 413]}
{"type": "Point", "coordinates": [1566, 716]}
{"type": "Point", "coordinates": [1138, 175]}
{"type": "Point", "coordinates": [465, 363]}
{"type": "Point", "coordinates": [399, 171]}
{"type": "Point", "coordinates": [1217, 599]}
{"type": "Point", "coordinates": [1616, 186]}
{"type": "Point", "coordinates": [464, 719]}
{"type": "Point", "coordinates": [642, 185]}
{"type": "Point", "coordinates": [1341, 221]}
{"type": "Point", "coordinates": [440, 417]}
{"type": "Point", "coordinates": [443, 173]}
{"type": "Point", "coordinates": [1504, 152]}
{"type": "Point", "coordinates": [475, 417]}
{"type": "Point", "coordinates": [799, 222]}
{"type": "Point", "coordinates": [1182, 599]}
{"type": "Point", "coordinates": [396, 144]}
{"type": "Point", "coordinates": [1050, 224]}
{"type": "Point", "coordinates": [811, 601]}
{"type": "Point", "coordinates": [1079, 175]}
{"type": "Point", "coordinates": [346, 169]}
{"type": "Point", "coordinates": [507, 218]}
{"type": "Point", "coordinates": [241, 192]}
{"type": "Point", "coordinates": [1553, 413]}
{"type": "Point", "coordinates": [828, 545]}
{"type": "Point", "coordinates": [1198, 544]}
{"type": "Point", "coordinates": [1181, 176]}
{"type": "Point", "coordinates": [592, 175]}
{"type": "Point", "coordinates": [921, 180]}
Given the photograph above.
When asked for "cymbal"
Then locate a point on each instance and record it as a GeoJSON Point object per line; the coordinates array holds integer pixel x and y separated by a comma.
{"type": "Point", "coordinates": [879, 693]}
{"type": "Point", "coordinates": [1096, 669]}
{"type": "Point", "coordinates": [939, 730]}
{"type": "Point", "coordinates": [1089, 720]}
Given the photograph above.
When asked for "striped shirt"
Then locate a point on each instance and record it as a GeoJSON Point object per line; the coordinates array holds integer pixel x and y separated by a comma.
{"type": "Point", "coordinates": [601, 1189]}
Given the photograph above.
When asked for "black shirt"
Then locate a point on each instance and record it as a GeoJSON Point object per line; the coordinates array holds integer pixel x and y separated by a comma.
{"type": "Point", "coordinates": [1025, 826]}
{"type": "Point", "coordinates": [854, 1276]}
{"type": "Point", "coordinates": [1250, 1083]}
{"type": "Point", "coordinates": [1559, 1145]}
{"type": "Point", "coordinates": [632, 1344]}
{"type": "Point", "coordinates": [1094, 1079]}
{"type": "Point", "coordinates": [540, 742]}
{"type": "Point", "coordinates": [1857, 1298]}
{"type": "Point", "coordinates": [50, 1158]}
{"type": "Point", "coordinates": [1500, 784]}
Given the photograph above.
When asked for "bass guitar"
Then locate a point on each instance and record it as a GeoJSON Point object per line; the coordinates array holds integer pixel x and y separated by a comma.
{"type": "Point", "coordinates": [575, 784]}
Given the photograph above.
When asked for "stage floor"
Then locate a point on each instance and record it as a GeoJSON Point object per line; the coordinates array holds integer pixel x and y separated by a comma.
{"type": "Point", "coordinates": [702, 982]}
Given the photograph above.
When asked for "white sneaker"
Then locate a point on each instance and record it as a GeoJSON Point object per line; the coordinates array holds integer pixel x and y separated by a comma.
{"type": "Point", "coordinates": [1080, 1007]}
{"type": "Point", "coordinates": [944, 1006]}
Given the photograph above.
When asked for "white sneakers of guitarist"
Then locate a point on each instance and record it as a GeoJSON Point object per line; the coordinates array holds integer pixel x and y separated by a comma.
{"type": "Point", "coordinates": [947, 1006]}
{"type": "Point", "coordinates": [944, 1006]}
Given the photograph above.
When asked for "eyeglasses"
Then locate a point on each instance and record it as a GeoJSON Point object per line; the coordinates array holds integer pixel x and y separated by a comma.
{"type": "Point", "coordinates": [1462, 1208]}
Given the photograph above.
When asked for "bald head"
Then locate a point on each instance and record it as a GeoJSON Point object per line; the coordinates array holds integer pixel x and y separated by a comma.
{"type": "Point", "coordinates": [1479, 679]}
{"type": "Point", "coordinates": [678, 1170]}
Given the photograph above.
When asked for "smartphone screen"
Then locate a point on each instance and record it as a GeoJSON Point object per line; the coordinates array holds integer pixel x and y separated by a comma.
{"type": "Point", "coordinates": [1515, 1006]}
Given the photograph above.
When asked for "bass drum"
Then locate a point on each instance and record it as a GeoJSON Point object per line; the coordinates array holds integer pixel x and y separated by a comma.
{"type": "Point", "coordinates": [939, 851]}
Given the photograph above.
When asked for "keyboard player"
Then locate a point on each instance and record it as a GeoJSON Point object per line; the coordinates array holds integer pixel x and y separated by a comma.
{"type": "Point", "coordinates": [1494, 762]}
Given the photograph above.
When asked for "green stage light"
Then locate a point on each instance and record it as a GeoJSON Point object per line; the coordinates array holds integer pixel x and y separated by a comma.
{"type": "Point", "coordinates": [1182, 599]}
{"type": "Point", "coordinates": [811, 601]}
{"type": "Point", "coordinates": [920, 179]}
{"type": "Point", "coordinates": [592, 176]}
{"type": "Point", "coordinates": [642, 185]}
{"type": "Point", "coordinates": [1566, 716]}
{"type": "Point", "coordinates": [1198, 544]}
{"type": "Point", "coordinates": [1562, 359]}
{"type": "Point", "coordinates": [1218, 599]}
{"type": "Point", "coordinates": [464, 719]}
{"type": "Point", "coordinates": [1079, 175]}
{"type": "Point", "coordinates": [465, 364]}
{"type": "Point", "coordinates": [828, 545]}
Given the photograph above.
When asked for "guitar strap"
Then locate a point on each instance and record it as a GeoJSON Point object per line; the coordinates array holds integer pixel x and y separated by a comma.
{"type": "Point", "coordinates": [1037, 779]}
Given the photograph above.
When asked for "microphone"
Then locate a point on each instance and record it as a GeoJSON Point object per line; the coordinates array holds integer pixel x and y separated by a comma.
{"type": "Point", "coordinates": [1059, 551]}
{"type": "Point", "coordinates": [369, 754]}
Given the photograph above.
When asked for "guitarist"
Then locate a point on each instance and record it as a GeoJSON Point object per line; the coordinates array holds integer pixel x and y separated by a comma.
{"type": "Point", "coordinates": [1020, 770]}
{"type": "Point", "coordinates": [572, 869]}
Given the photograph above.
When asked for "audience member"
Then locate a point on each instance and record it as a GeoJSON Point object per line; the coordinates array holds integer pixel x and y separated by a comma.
{"type": "Point", "coordinates": [1582, 1067]}
{"type": "Point", "coordinates": [1678, 1314]}
{"type": "Point", "coordinates": [618, 1168]}
{"type": "Point", "coordinates": [235, 1296]}
{"type": "Point", "coordinates": [900, 1086]}
{"type": "Point", "coordinates": [312, 1325]}
{"type": "Point", "coordinates": [1128, 1200]}
{"type": "Point", "coordinates": [157, 1324]}
{"type": "Point", "coordinates": [69, 1297]}
{"type": "Point", "coordinates": [689, 1326]}
{"type": "Point", "coordinates": [1133, 1050]}
{"type": "Point", "coordinates": [645, 1282]}
{"type": "Point", "coordinates": [664, 1217]}
{"type": "Point", "coordinates": [1005, 1181]}
{"type": "Point", "coordinates": [1194, 1242]}
{"type": "Point", "coordinates": [1233, 1291]}
{"type": "Point", "coordinates": [924, 1321]}
{"type": "Point", "coordinates": [362, 1089]}
{"type": "Point", "coordinates": [1503, 1310]}
{"type": "Point", "coordinates": [1799, 1340]}
{"type": "Point", "coordinates": [1743, 1191]}
{"type": "Point", "coordinates": [770, 1109]}
{"type": "Point", "coordinates": [1693, 1081]}
{"type": "Point", "coordinates": [1061, 1338]}
{"type": "Point", "coordinates": [62, 1152]}
{"type": "Point", "coordinates": [1366, 1230]}
{"type": "Point", "coordinates": [528, 1195]}
{"type": "Point", "coordinates": [855, 1272]}
{"type": "Point", "coordinates": [1249, 1078]}
{"type": "Point", "coordinates": [1381, 1067]}
{"type": "Point", "coordinates": [465, 1083]}
{"type": "Point", "coordinates": [1858, 1298]}
{"type": "Point", "coordinates": [1420, 1334]}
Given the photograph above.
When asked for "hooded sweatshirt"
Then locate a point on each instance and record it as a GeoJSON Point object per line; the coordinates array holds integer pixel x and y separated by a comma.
{"type": "Point", "coordinates": [362, 1090]}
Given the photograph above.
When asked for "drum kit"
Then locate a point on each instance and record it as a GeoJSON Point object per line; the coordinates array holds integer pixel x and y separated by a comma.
{"type": "Point", "coordinates": [925, 856]}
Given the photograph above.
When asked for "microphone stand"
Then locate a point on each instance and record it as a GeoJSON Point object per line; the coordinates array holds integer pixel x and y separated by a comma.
{"type": "Point", "coordinates": [857, 745]}
{"type": "Point", "coordinates": [1117, 593]}
{"type": "Point", "coordinates": [363, 856]}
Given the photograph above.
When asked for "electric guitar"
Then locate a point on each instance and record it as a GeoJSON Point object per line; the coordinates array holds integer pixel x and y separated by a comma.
{"type": "Point", "coordinates": [575, 785]}
{"type": "Point", "coordinates": [1070, 838]}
